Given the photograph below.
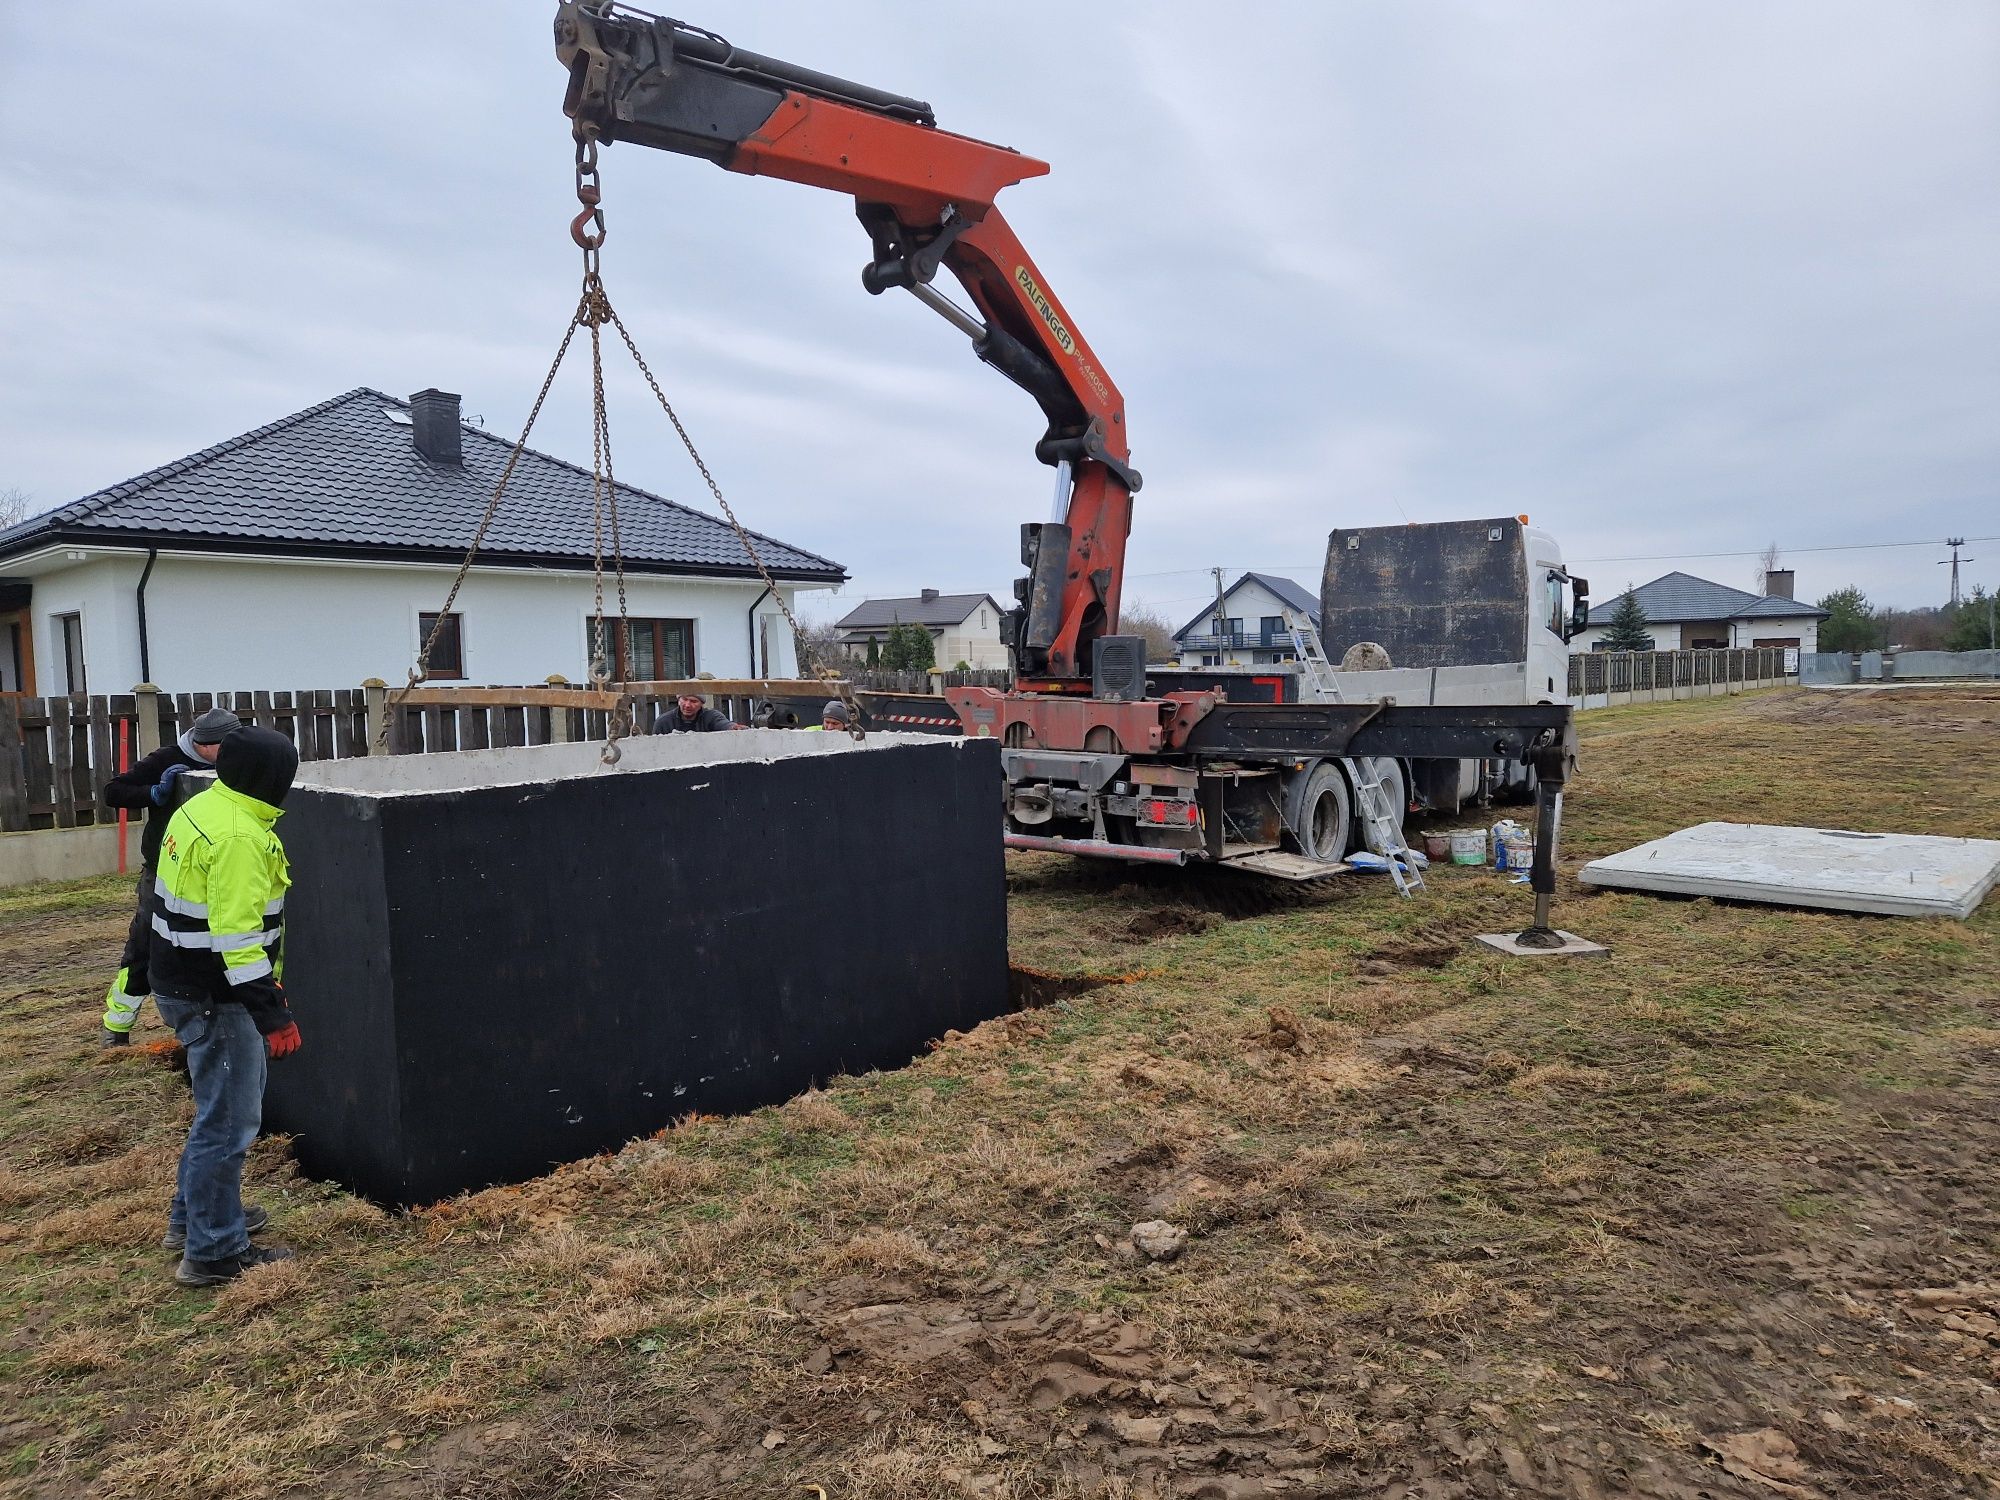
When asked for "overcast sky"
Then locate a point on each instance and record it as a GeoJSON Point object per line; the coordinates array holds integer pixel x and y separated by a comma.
{"type": "Point", "coordinates": [1680, 278]}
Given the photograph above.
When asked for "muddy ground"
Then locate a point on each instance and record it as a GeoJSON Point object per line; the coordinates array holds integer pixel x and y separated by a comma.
{"type": "Point", "coordinates": [1715, 1216]}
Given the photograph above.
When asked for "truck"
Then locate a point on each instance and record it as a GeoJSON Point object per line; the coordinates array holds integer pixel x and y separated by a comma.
{"type": "Point", "coordinates": [1459, 613]}
{"type": "Point", "coordinates": [1094, 762]}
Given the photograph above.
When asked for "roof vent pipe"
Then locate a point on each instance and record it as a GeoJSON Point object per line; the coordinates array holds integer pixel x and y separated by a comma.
{"type": "Point", "coordinates": [434, 426]}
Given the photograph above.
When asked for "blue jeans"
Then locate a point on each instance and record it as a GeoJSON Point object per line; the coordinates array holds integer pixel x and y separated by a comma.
{"type": "Point", "coordinates": [226, 1063]}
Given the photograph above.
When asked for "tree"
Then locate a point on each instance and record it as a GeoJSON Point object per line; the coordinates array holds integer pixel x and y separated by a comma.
{"type": "Point", "coordinates": [1850, 624]}
{"type": "Point", "coordinates": [1767, 564]}
{"type": "Point", "coordinates": [874, 652]}
{"type": "Point", "coordinates": [1628, 625]}
{"type": "Point", "coordinates": [1971, 626]}
{"type": "Point", "coordinates": [1140, 619]}
{"type": "Point", "coordinates": [15, 507]}
{"type": "Point", "coordinates": [908, 649]}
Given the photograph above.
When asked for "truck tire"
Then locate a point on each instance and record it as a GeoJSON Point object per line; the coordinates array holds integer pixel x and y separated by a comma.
{"type": "Point", "coordinates": [1319, 812]}
{"type": "Point", "coordinates": [1394, 782]}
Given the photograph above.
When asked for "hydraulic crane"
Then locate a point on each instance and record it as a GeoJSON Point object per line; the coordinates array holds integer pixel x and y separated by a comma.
{"type": "Point", "coordinates": [1094, 764]}
{"type": "Point", "coordinates": [925, 197]}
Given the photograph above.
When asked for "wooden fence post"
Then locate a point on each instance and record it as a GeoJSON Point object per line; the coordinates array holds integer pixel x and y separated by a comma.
{"type": "Point", "coordinates": [146, 710]}
{"type": "Point", "coordinates": [558, 717]}
{"type": "Point", "coordinates": [375, 706]}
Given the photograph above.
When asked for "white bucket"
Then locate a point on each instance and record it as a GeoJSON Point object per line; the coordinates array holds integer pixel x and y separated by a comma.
{"type": "Point", "coordinates": [1468, 846]}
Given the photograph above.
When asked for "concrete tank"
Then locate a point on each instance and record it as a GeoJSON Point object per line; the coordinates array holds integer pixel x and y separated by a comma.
{"type": "Point", "coordinates": [506, 959]}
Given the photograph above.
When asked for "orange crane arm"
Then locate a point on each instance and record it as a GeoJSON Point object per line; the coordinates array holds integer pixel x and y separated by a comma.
{"type": "Point", "coordinates": [925, 196]}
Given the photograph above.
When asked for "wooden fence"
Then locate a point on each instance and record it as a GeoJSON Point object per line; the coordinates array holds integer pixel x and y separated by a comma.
{"type": "Point", "coordinates": [56, 754]}
{"type": "Point", "coordinates": [1641, 676]}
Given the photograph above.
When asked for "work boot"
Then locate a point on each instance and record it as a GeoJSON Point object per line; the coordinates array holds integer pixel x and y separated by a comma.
{"type": "Point", "coordinates": [217, 1272]}
{"type": "Point", "coordinates": [254, 1220]}
{"type": "Point", "coordinates": [106, 1037]}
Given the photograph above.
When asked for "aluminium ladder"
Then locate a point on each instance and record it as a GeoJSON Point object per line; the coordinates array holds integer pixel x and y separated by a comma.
{"type": "Point", "coordinates": [1313, 666]}
{"type": "Point", "coordinates": [1378, 816]}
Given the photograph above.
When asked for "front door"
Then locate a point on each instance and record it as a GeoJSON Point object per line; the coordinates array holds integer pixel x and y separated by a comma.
{"type": "Point", "coordinates": [17, 653]}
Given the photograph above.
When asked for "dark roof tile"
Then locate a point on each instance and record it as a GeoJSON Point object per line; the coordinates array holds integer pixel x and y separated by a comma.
{"type": "Point", "coordinates": [342, 476]}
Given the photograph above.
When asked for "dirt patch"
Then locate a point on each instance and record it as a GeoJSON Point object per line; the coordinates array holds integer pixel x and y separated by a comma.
{"type": "Point", "coordinates": [1427, 953]}
{"type": "Point", "coordinates": [1029, 989]}
{"type": "Point", "coordinates": [1169, 921]}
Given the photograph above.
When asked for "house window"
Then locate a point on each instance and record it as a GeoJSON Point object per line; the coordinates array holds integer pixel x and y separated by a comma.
{"type": "Point", "coordinates": [1271, 629]}
{"type": "Point", "coordinates": [982, 619]}
{"type": "Point", "coordinates": [69, 636]}
{"type": "Point", "coordinates": [14, 654]}
{"type": "Point", "coordinates": [448, 654]}
{"type": "Point", "coordinates": [662, 650]}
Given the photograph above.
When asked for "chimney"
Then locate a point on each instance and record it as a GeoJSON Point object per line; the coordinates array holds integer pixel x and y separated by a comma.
{"type": "Point", "coordinates": [1778, 582]}
{"type": "Point", "coordinates": [929, 594]}
{"type": "Point", "coordinates": [434, 429]}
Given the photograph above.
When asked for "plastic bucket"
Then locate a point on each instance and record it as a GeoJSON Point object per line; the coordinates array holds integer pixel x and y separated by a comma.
{"type": "Point", "coordinates": [1437, 848]}
{"type": "Point", "coordinates": [1516, 852]}
{"type": "Point", "coordinates": [1468, 846]}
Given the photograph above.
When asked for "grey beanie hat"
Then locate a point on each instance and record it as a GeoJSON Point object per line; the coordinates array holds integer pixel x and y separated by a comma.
{"type": "Point", "coordinates": [834, 709]}
{"type": "Point", "coordinates": [215, 726]}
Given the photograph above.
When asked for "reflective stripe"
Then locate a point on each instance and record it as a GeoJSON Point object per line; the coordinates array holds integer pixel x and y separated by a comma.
{"type": "Point", "coordinates": [197, 939]}
{"type": "Point", "coordinates": [175, 904]}
{"type": "Point", "coordinates": [220, 941]}
{"type": "Point", "coordinates": [277, 904]}
{"type": "Point", "coordinates": [248, 972]}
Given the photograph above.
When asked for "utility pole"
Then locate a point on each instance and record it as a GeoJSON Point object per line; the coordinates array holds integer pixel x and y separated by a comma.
{"type": "Point", "coordinates": [1221, 619]}
{"type": "Point", "coordinates": [1955, 543]}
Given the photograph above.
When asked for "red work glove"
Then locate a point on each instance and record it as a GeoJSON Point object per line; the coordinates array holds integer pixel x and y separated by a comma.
{"type": "Point", "coordinates": [285, 1040]}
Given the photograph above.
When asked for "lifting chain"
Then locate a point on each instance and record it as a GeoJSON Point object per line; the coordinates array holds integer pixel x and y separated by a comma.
{"type": "Point", "coordinates": [609, 666]}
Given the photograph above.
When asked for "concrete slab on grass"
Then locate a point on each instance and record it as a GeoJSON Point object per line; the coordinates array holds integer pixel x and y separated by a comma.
{"type": "Point", "coordinates": [1891, 874]}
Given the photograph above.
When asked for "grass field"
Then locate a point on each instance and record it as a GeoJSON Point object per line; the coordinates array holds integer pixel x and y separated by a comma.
{"type": "Point", "coordinates": [1715, 1216]}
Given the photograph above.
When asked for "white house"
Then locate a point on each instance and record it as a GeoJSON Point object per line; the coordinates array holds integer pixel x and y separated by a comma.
{"type": "Point", "coordinates": [1684, 612]}
{"type": "Point", "coordinates": [315, 553]}
{"type": "Point", "coordinates": [1250, 628]}
{"type": "Point", "coordinates": [963, 627]}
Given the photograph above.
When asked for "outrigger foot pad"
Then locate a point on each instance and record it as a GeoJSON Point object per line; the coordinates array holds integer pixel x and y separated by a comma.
{"type": "Point", "coordinates": [1542, 942]}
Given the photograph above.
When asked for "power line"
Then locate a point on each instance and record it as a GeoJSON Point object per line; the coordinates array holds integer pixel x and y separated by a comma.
{"type": "Point", "coordinates": [1759, 551]}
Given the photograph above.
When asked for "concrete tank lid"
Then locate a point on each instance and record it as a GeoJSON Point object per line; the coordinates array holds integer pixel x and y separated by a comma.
{"type": "Point", "coordinates": [469, 770]}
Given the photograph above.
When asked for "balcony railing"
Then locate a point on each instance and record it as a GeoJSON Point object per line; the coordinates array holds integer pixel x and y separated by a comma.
{"type": "Point", "coordinates": [1239, 640]}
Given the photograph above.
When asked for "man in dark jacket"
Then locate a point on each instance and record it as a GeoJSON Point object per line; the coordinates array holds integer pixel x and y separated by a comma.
{"type": "Point", "coordinates": [218, 965]}
{"type": "Point", "coordinates": [688, 716]}
{"type": "Point", "coordinates": [148, 789]}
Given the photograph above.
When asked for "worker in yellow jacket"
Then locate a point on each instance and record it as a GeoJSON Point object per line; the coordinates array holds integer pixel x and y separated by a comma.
{"type": "Point", "coordinates": [216, 962]}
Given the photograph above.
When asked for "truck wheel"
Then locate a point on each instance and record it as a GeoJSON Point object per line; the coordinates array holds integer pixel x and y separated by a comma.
{"type": "Point", "coordinates": [1394, 783]}
{"type": "Point", "coordinates": [1319, 813]}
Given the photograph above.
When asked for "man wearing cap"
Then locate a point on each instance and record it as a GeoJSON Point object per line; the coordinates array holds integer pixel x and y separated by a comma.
{"type": "Point", "coordinates": [148, 788]}
{"type": "Point", "coordinates": [217, 962]}
{"type": "Point", "coordinates": [833, 715]}
{"type": "Point", "coordinates": [690, 715]}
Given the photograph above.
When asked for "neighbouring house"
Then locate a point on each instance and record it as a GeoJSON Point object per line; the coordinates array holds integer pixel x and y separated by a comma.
{"type": "Point", "coordinates": [315, 552]}
{"type": "Point", "coordinates": [1684, 612]}
{"type": "Point", "coordinates": [963, 627]}
{"type": "Point", "coordinates": [1251, 627]}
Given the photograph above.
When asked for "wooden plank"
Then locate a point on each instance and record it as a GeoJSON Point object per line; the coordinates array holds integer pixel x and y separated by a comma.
{"type": "Point", "coordinates": [758, 687]}
{"type": "Point", "coordinates": [62, 789]}
{"type": "Point", "coordinates": [176, 713]}
{"type": "Point", "coordinates": [347, 733]}
{"type": "Point", "coordinates": [35, 761]}
{"type": "Point", "coordinates": [472, 730]}
{"type": "Point", "coordinates": [103, 756]}
{"type": "Point", "coordinates": [285, 718]}
{"type": "Point", "coordinates": [511, 726]}
{"type": "Point", "coordinates": [506, 698]}
{"type": "Point", "coordinates": [321, 722]}
{"type": "Point", "coordinates": [13, 769]}
{"type": "Point", "coordinates": [254, 708]}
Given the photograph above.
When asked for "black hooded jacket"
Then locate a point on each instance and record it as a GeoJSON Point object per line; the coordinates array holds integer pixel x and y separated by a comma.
{"type": "Point", "coordinates": [219, 896]}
